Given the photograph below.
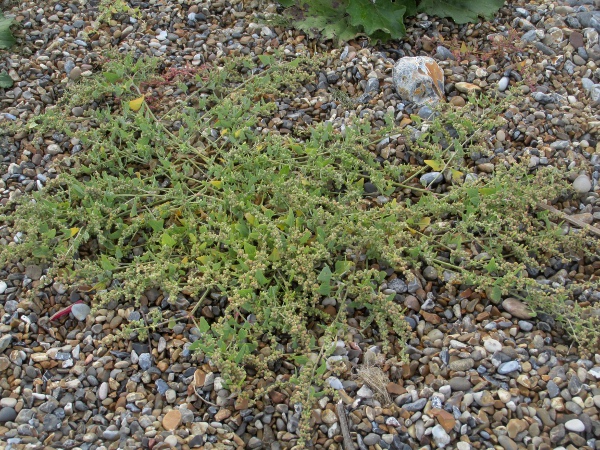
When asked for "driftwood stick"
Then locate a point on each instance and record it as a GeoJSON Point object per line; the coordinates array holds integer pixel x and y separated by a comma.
{"type": "Point", "coordinates": [570, 219]}
{"type": "Point", "coordinates": [348, 444]}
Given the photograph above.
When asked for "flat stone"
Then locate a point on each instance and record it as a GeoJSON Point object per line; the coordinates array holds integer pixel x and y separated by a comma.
{"type": "Point", "coordinates": [507, 443]}
{"type": "Point", "coordinates": [460, 384]}
{"type": "Point", "coordinates": [445, 419]}
{"type": "Point", "coordinates": [416, 406]}
{"type": "Point", "coordinates": [395, 389]}
{"type": "Point", "coordinates": [508, 367]}
{"type": "Point", "coordinates": [461, 365]}
{"type": "Point", "coordinates": [467, 88]}
{"type": "Point", "coordinates": [419, 80]}
{"type": "Point", "coordinates": [371, 439]}
{"type": "Point", "coordinates": [34, 272]}
{"type": "Point", "coordinates": [575, 425]}
{"type": "Point", "coordinates": [516, 308]}
{"type": "Point", "coordinates": [576, 39]}
{"type": "Point", "coordinates": [492, 345]}
{"type": "Point", "coordinates": [172, 420]}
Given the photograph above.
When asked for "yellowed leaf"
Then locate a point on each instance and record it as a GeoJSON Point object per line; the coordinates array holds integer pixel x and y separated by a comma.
{"type": "Point", "coordinates": [412, 231]}
{"type": "Point", "coordinates": [216, 183]}
{"type": "Point", "coordinates": [250, 218]}
{"type": "Point", "coordinates": [456, 175]}
{"type": "Point", "coordinates": [424, 223]}
{"type": "Point", "coordinates": [74, 231]}
{"type": "Point", "coordinates": [224, 131]}
{"type": "Point", "coordinates": [136, 104]}
{"type": "Point", "coordinates": [463, 49]}
{"type": "Point", "coordinates": [435, 165]}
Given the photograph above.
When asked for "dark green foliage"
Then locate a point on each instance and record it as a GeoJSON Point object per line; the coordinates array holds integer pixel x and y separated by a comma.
{"type": "Point", "coordinates": [380, 20]}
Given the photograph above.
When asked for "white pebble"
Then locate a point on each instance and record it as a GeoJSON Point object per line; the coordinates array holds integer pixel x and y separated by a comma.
{"type": "Point", "coordinates": [582, 184]}
{"type": "Point", "coordinates": [503, 83]}
{"type": "Point", "coordinates": [3, 287]}
{"type": "Point", "coordinates": [575, 425]}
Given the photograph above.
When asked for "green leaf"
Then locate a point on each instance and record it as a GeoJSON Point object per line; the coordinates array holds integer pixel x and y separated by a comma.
{"type": "Point", "coordinates": [266, 60]}
{"type": "Point", "coordinates": [7, 40]}
{"type": "Point", "coordinates": [203, 326]}
{"type": "Point", "coordinates": [167, 240]}
{"type": "Point", "coordinates": [156, 225]}
{"type": "Point", "coordinates": [260, 277]}
{"type": "Point", "coordinates": [250, 250]}
{"type": "Point", "coordinates": [6, 81]}
{"type": "Point", "coordinates": [325, 288]}
{"type": "Point", "coordinates": [329, 18]}
{"type": "Point", "coordinates": [461, 11]}
{"type": "Point", "coordinates": [495, 294]}
{"type": "Point", "coordinates": [42, 252]}
{"type": "Point", "coordinates": [491, 266]}
{"type": "Point", "coordinates": [342, 267]}
{"type": "Point", "coordinates": [383, 15]}
{"type": "Point", "coordinates": [325, 274]}
{"type": "Point", "coordinates": [322, 368]}
{"type": "Point", "coordinates": [111, 77]}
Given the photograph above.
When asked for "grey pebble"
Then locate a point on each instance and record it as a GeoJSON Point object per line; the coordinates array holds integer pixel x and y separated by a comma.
{"type": "Point", "coordinates": [145, 361]}
{"type": "Point", "coordinates": [508, 367]}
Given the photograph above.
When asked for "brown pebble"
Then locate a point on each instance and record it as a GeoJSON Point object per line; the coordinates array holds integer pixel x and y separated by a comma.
{"type": "Point", "coordinates": [576, 39]}
{"type": "Point", "coordinates": [457, 101]}
{"type": "Point", "coordinates": [172, 420]}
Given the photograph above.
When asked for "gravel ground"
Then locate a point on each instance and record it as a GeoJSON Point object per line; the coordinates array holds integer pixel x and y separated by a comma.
{"type": "Point", "coordinates": [480, 376]}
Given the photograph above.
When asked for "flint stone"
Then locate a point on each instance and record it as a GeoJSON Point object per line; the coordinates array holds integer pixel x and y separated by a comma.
{"type": "Point", "coordinates": [419, 80]}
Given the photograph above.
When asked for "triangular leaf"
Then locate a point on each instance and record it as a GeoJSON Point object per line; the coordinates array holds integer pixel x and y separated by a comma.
{"type": "Point", "coordinates": [435, 165]}
{"type": "Point", "coordinates": [136, 104]}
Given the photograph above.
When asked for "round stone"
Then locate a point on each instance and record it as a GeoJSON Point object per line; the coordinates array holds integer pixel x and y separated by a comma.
{"type": "Point", "coordinates": [7, 414]}
{"type": "Point", "coordinates": [80, 311]}
{"type": "Point", "coordinates": [575, 425]}
{"type": "Point", "coordinates": [430, 273]}
{"type": "Point", "coordinates": [582, 184]}
{"type": "Point", "coordinates": [457, 101]}
{"type": "Point", "coordinates": [75, 73]}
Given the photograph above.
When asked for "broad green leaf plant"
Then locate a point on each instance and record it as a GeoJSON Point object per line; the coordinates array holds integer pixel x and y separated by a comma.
{"type": "Point", "coordinates": [380, 20]}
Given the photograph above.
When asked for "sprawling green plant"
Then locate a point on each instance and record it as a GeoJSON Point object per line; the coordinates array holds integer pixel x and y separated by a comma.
{"type": "Point", "coordinates": [7, 40]}
{"type": "Point", "coordinates": [380, 20]}
{"type": "Point", "coordinates": [197, 202]}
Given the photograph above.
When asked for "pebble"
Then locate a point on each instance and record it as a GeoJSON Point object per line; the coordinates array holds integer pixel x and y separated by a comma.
{"type": "Point", "coordinates": [575, 425]}
{"type": "Point", "coordinates": [75, 73]}
{"type": "Point", "coordinates": [516, 308]}
{"type": "Point", "coordinates": [440, 437]}
{"type": "Point", "coordinates": [508, 367]}
{"type": "Point", "coordinates": [80, 311]}
{"type": "Point", "coordinates": [419, 80]}
{"type": "Point", "coordinates": [7, 414]}
{"type": "Point", "coordinates": [582, 184]}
